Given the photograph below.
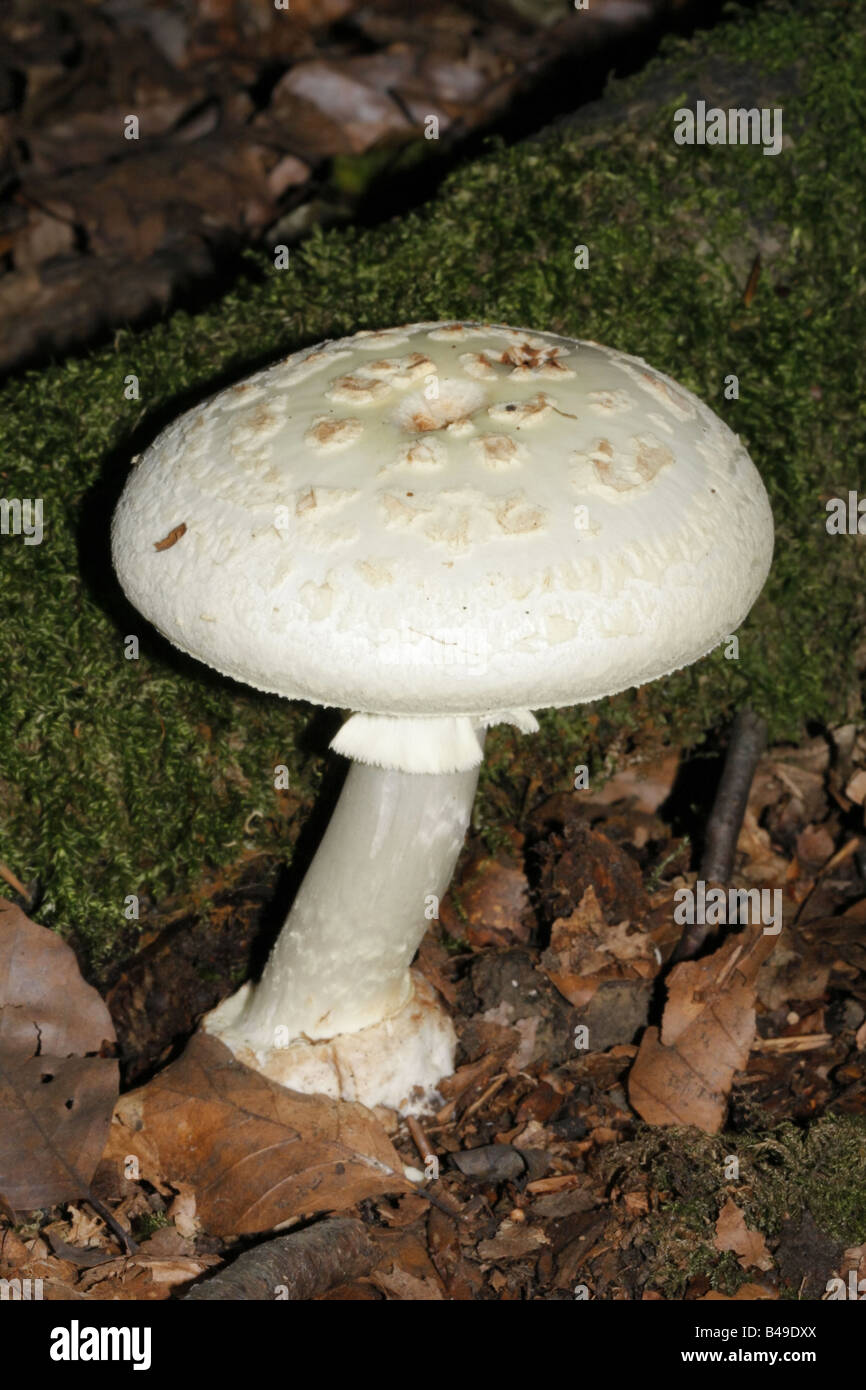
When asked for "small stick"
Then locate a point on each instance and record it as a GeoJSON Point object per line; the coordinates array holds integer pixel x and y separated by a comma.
{"type": "Point", "coordinates": [803, 1042]}
{"type": "Point", "coordinates": [437, 1202]}
{"type": "Point", "coordinates": [14, 882]}
{"type": "Point", "coordinates": [496, 1084]}
{"type": "Point", "coordinates": [747, 742]}
{"type": "Point", "coordinates": [749, 292]}
{"type": "Point", "coordinates": [300, 1265]}
{"type": "Point", "coordinates": [419, 1139]}
{"type": "Point", "coordinates": [426, 1151]}
{"type": "Point", "coordinates": [127, 1244]}
{"type": "Point", "coordinates": [850, 847]}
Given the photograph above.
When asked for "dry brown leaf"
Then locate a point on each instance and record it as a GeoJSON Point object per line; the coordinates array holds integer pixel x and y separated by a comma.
{"type": "Point", "coordinates": [253, 1153]}
{"type": "Point", "coordinates": [764, 866]}
{"type": "Point", "coordinates": [647, 785]}
{"type": "Point", "coordinates": [13, 1251]}
{"type": "Point", "coordinates": [732, 1233]}
{"type": "Point", "coordinates": [708, 1027]}
{"type": "Point", "coordinates": [494, 896]}
{"type": "Point", "coordinates": [338, 93]}
{"type": "Point", "coordinates": [44, 1000]}
{"type": "Point", "coordinates": [814, 847]}
{"type": "Point", "coordinates": [397, 1283]}
{"type": "Point", "coordinates": [856, 788]}
{"type": "Point", "coordinates": [143, 1276]}
{"type": "Point", "coordinates": [585, 952]}
{"type": "Point", "coordinates": [794, 971]}
{"type": "Point", "coordinates": [58, 1277]}
{"type": "Point", "coordinates": [183, 1212]}
{"type": "Point", "coordinates": [55, 1101]}
{"type": "Point", "coordinates": [513, 1241]}
{"type": "Point", "coordinates": [166, 1243]}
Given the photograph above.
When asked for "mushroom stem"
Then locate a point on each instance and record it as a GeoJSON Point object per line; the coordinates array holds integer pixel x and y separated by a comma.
{"type": "Point", "coordinates": [342, 959]}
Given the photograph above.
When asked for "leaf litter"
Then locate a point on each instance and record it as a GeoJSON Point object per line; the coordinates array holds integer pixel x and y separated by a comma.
{"type": "Point", "coordinates": [552, 1164]}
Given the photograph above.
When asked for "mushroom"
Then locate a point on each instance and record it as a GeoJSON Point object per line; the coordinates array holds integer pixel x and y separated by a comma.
{"type": "Point", "coordinates": [438, 528]}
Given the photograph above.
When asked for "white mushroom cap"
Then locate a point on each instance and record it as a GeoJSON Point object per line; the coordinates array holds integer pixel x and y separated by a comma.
{"type": "Point", "coordinates": [461, 520]}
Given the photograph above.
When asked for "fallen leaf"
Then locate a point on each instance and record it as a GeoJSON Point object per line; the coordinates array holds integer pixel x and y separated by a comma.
{"type": "Point", "coordinates": [55, 1100]}
{"type": "Point", "coordinates": [398, 1284]}
{"type": "Point", "coordinates": [58, 1277]}
{"type": "Point", "coordinates": [183, 1212]}
{"type": "Point", "coordinates": [585, 952]}
{"type": "Point", "coordinates": [856, 788]}
{"type": "Point", "coordinates": [337, 93]}
{"type": "Point", "coordinates": [646, 785]}
{"type": "Point", "coordinates": [814, 847]}
{"type": "Point", "coordinates": [494, 896]}
{"type": "Point", "coordinates": [253, 1153]}
{"type": "Point", "coordinates": [143, 1276]}
{"type": "Point", "coordinates": [708, 1026]}
{"type": "Point", "coordinates": [764, 866]}
{"type": "Point", "coordinates": [581, 858]}
{"type": "Point", "coordinates": [732, 1233]}
{"type": "Point", "coordinates": [513, 1241]}
{"type": "Point", "coordinates": [84, 1258]}
{"type": "Point", "coordinates": [794, 971]}
{"type": "Point", "coordinates": [13, 1251]}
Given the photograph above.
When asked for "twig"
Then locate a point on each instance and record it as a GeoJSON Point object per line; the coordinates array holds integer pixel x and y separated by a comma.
{"type": "Point", "coordinates": [300, 1265]}
{"type": "Point", "coordinates": [747, 742]}
{"type": "Point", "coordinates": [127, 1244]}
{"type": "Point", "coordinates": [803, 1042]}
{"type": "Point", "coordinates": [419, 1139]}
{"type": "Point", "coordinates": [848, 849]}
{"type": "Point", "coordinates": [437, 1202]}
{"type": "Point", "coordinates": [496, 1085]}
{"type": "Point", "coordinates": [426, 1150]}
{"type": "Point", "coordinates": [14, 882]}
{"type": "Point", "coordinates": [754, 275]}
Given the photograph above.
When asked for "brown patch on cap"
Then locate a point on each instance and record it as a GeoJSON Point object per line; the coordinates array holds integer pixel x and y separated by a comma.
{"type": "Point", "coordinates": [498, 451]}
{"type": "Point", "coordinates": [358, 388]}
{"type": "Point", "coordinates": [644, 459]}
{"type": "Point", "coordinates": [326, 431]}
{"type": "Point", "coordinates": [516, 516]}
{"type": "Point", "coordinates": [651, 456]}
{"type": "Point", "coordinates": [172, 538]}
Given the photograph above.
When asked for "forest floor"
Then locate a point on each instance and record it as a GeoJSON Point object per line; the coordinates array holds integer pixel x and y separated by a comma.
{"type": "Point", "coordinates": [542, 1179]}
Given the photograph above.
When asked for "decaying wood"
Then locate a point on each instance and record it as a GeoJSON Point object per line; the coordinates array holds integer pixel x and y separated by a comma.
{"type": "Point", "coordinates": [300, 1265]}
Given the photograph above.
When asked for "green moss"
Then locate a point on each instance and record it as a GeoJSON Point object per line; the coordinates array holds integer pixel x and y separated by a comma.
{"type": "Point", "coordinates": [136, 777]}
{"type": "Point", "coordinates": [782, 1172]}
{"type": "Point", "coordinates": [147, 1224]}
